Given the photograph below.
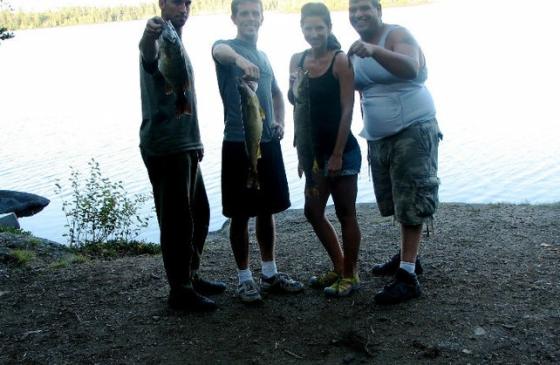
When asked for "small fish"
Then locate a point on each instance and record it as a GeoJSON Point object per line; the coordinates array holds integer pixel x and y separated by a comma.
{"type": "Point", "coordinates": [253, 117]}
{"type": "Point", "coordinates": [304, 134]}
{"type": "Point", "coordinates": [172, 65]}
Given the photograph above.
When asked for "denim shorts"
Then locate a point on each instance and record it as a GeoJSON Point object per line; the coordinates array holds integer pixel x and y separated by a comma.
{"type": "Point", "coordinates": [351, 163]}
{"type": "Point", "coordinates": [404, 170]}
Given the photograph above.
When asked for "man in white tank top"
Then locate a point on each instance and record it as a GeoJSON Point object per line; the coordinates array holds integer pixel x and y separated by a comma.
{"type": "Point", "coordinates": [403, 137]}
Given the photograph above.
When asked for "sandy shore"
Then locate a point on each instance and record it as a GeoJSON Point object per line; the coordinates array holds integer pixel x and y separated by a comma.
{"type": "Point", "coordinates": [491, 295]}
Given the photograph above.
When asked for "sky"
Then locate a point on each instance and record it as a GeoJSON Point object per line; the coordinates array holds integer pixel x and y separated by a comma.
{"type": "Point", "coordinates": [39, 5]}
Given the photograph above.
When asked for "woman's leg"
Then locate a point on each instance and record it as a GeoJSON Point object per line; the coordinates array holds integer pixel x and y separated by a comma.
{"type": "Point", "coordinates": [344, 190]}
{"type": "Point", "coordinates": [315, 203]}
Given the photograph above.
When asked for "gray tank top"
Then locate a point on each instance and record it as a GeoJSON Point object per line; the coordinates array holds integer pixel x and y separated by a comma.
{"type": "Point", "coordinates": [389, 103]}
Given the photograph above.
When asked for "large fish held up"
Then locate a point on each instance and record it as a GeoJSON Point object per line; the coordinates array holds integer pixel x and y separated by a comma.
{"type": "Point", "coordinates": [173, 66]}
{"type": "Point", "coordinates": [304, 134]}
{"type": "Point", "coordinates": [253, 116]}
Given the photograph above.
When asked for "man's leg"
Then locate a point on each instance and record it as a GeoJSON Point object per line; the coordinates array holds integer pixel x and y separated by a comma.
{"type": "Point", "coordinates": [266, 233]}
{"type": "Point", "coordinates": [271, 279]}
{"type": "Point", "coordinates": [169, 176]}
{"type": "Point", "coordinates": [410, 242]}
{"type": "Point", "coordinates": [248, 291]}
{"type": "Point", "coordinates": [239, 240]}
{"type": "Point", "coordinates": [414, 173]}
{"type": "Point", "coordinates": [201, 217]}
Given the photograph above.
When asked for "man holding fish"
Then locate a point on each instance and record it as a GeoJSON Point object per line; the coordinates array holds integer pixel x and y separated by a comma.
{"type": "Point", "coordinates": [254, 180]}
{"type": "Point", "coordinates": [171, 149]}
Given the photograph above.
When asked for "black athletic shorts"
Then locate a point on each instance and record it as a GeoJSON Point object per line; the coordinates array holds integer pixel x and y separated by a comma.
{"type": "Point", "coordinates": [273, 195]}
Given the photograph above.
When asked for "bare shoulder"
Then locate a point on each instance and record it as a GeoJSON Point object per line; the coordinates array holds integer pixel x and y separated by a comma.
{"type": "Point", "coordinates": [295, 60]}
{"type": "Point", "coordinates": [341, 61]}
{"type": "Point", "coordinates": [296, 57]}
{"type": "Point", "coordinates": [400, 35]}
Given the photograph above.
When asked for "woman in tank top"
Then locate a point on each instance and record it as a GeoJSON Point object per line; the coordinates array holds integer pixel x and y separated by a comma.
{"type": "Point", "coordinates": [329, 80]}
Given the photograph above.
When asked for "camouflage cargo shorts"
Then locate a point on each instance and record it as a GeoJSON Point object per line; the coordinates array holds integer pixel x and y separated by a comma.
{"type": "Point", "coordinates": [404, 169]}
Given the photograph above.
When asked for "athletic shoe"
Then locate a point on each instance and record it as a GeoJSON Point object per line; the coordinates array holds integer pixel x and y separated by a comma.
{"type": "Point", "coordinates": [405, 286]}
{"type": "Point", "coordinates": [343, 287]}
{"type": "Point", "coordinates": [280, 283]}
{"type": "Point", "coordinates": [324, 280]}
{"type": "Point", "coordinates": [249, 293]}
{"type": "Point", "coordinates": [390, 267]}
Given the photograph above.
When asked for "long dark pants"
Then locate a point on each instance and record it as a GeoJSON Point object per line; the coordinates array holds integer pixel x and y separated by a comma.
{"type": "Point", "coordinates": [183, 212]}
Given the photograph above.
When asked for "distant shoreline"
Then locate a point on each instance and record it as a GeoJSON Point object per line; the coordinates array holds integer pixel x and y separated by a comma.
{"type": "Point", "coordinates": [82, 15]}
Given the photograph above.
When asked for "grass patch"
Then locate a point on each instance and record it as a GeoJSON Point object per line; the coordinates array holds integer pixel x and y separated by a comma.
{"type": "Point", "coordinates": [69, 260]}
{"type": "Point", "coordinates": [22, 257]}
{"type": "Point", "coordinates": [12, 230]}
{"type": "Point", "coordinates": [119, 249]}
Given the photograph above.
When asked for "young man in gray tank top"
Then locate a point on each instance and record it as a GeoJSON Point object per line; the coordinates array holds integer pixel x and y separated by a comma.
{"type": "Point", "coordinates": [403, 137]}
{"type": "Point", "coordinates": [237, 59]}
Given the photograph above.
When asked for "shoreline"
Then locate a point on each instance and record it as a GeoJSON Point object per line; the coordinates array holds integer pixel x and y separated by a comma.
{"type": "Point", "coordinates": [490, 295]}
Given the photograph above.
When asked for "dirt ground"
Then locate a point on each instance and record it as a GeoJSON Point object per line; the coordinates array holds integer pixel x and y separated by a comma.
{"type": "Point", "coordinates": [491, 294]}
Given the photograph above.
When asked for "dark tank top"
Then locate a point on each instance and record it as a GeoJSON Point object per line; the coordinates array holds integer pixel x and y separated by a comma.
{"type": "Point", "coordinates": [326, 110]}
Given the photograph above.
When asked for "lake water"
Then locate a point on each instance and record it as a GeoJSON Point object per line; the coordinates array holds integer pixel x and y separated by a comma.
{"type": "Point", "coordinates": [71, 94]}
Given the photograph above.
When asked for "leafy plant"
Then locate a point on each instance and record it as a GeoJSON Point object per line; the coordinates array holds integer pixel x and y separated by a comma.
{"type": "Point", "coordinates": [100, 210]}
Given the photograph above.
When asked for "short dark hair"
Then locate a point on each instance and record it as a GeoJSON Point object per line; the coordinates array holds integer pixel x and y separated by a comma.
{"type": "Point", "coordinates": [375, 3]}
{"type": "Point", "coordinates": [235, 4]}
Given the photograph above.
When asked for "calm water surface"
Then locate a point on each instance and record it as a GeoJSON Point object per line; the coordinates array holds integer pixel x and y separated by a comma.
{"type": "Point", "coordinates": [71, 94]}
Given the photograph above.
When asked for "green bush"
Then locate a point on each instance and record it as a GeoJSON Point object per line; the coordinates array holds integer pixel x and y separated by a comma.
{"type": "Point", "coordinates": [100, 210]}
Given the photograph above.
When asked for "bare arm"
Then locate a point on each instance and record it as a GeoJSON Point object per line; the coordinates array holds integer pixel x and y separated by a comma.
{"type": "Point", "coordinates": [402, 57]}
{"type": "Point", "coordinates": [345, 74]}
{"type": "Point", "coordinates": [226, 55]}
{"type": "Point", "coordinates": [148, 43]}
{"type": "Point", "coordinates": [279, 111]}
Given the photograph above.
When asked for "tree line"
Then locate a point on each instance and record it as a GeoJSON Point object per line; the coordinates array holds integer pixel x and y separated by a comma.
{"type": "Point", "coordinates": [15, 20]}
{"type": "Point", "coordinates": [4, 33]}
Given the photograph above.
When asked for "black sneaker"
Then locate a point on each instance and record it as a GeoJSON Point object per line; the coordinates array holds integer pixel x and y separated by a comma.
{"type": "Point", "coordinates": [405, 286]}
{"type": "Point", "coordinates": [207, 287]}
{"type": "Point", "coordinates": [187, 299]}
{"type": "Point", "coordinates": [390, 267]}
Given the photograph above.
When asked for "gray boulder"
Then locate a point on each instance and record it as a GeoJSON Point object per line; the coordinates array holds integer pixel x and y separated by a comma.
{"type": "Point", "coordinates": [9, 220]}
{"type": "Point", "coordinates": [22, 204]}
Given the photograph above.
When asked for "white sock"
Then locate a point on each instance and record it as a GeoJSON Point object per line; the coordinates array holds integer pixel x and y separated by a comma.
{"type": "Point", "coordinates": [408, 266]}
{"type": "Point", "coordinates": [244, 275]}
{"type": "Point", "coordinates": [269, 269]}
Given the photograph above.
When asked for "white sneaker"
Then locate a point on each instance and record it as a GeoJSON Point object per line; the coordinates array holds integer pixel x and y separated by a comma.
{"type": "Point", "coordinates": [249, 292]}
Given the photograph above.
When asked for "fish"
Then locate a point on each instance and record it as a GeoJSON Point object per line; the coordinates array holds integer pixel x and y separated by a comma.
{"type": "Point", "coordinates": [304, 134]}
{"type": "Point", "coordinates": [253, 116]}
{"type": "Point", "coordinates": [173, 67]}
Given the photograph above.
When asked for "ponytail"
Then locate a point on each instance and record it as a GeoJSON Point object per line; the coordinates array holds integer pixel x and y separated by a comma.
{"type": "Point", "coordinates": [332, 43]}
